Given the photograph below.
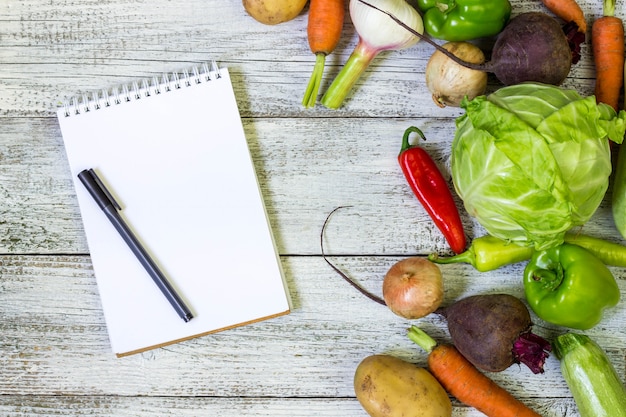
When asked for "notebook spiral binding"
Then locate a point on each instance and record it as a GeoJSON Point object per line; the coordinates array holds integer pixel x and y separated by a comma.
{"type": "Point", "coordinates": [139, 90]}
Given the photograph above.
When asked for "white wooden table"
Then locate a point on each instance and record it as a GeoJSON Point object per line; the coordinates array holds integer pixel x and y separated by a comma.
{"type": "Point", "coordinates": [55, 357]}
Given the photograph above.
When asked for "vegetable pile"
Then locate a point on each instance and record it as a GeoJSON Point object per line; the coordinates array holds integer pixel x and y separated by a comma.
{"type": "Point", "coordinates": [531, 163]}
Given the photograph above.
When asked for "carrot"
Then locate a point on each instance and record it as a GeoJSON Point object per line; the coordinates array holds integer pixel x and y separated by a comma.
{"type": "Point", "coordinates": [465, 382]}
{"type": "Point", "coordinates": [568, 10]}
{"type": "Point", "coordinates": [607, 42]}
{"type": "Point", "coordinates": [324, 32]}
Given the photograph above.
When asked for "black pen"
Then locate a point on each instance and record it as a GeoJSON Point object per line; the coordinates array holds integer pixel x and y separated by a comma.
{"type": "Point", "coordinates": [110, 207]}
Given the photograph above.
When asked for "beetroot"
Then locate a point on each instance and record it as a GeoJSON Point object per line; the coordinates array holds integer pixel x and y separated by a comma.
{"type": "Point", "coordinates": [494, 331]}
{"type": "Point", "coordinates": [532, 47]}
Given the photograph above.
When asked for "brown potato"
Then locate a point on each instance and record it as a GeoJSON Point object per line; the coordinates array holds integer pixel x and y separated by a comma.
{"type": "Point", "coordinates": [272, 12]}
{"type": "Point", "coordinates": [387, 386]}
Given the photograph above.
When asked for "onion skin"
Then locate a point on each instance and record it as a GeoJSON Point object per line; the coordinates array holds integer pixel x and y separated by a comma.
{"type": "Point", "coordinates": [448, 81]}
{"type": "Point", "coordinates": [413, 288]}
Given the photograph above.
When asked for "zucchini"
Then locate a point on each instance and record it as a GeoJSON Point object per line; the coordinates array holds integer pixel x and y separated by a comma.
{"type": "Point", "coordinates": [595, 385]}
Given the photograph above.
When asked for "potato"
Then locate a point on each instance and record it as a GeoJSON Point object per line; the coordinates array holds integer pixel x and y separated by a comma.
{"type": "Point", "coordinates": [272, 12]}
{"type": "Point", "coordinates": [387, 386]}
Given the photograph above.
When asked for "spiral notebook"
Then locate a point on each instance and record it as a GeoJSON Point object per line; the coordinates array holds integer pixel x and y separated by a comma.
{"type": "Point", "coordinates": [173, 153]}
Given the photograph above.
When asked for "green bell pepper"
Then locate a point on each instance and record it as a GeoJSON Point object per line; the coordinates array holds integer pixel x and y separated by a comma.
{"type": "Point", "coordinates": [567, 285]}
{"type": "Point", "coordinates": [462, 20]}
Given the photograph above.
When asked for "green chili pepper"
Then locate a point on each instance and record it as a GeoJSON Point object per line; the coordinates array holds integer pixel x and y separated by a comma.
{"type": "Point", "coordinates": [461, 20]}
{"type": "Point", "coordinates": [567, 285]}
{"type": "Point", "coordinates": [610, 253]}
{"type": "Point", "coordinates": [487, 253]}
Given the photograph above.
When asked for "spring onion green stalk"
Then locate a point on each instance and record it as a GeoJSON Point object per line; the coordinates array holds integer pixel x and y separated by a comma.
{"type": "Point", "coordinates": [377, 33]}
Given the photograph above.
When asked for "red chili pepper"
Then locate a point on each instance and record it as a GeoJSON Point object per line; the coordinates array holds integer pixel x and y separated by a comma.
{"type": "Point", "coordinates": [432, 190]}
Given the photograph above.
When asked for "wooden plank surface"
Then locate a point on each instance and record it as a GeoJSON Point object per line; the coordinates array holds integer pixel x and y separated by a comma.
{"type": "Point", "coordinates": [54, 353]}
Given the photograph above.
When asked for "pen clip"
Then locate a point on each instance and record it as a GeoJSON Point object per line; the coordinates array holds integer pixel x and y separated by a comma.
{"type": "Point", "coordinates": [102, 187]}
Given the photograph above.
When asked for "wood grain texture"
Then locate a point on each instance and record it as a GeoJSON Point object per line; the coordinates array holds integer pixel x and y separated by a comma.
{"type": "Point", "coordinates": [55, 357]}
{"type": "Point", "coordinates": [228, 407]}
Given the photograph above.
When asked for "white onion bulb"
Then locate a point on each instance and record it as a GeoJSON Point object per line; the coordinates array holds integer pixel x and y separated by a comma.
{"type": "Point", "coordinates": [448, 81]}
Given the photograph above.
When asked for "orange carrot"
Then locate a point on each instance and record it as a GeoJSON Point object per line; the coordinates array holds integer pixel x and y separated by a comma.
{"type": "Point", "coordinates": [568, 10]}
{"type": "Point", "coordinates": [465, 382]}
{"type": "Point", "coordinates": [324, 32]}
{"type": "Point", "coordinates": [607, 42]}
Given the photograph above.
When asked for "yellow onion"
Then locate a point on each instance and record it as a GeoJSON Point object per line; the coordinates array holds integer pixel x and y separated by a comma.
{"type": "Point", "coordinates": [449, 81]}
{"type": "Point", "coordinates": [413, 288]}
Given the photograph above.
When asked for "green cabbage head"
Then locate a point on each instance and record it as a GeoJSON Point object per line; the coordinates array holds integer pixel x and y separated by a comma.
{"type": "Point", "coordinates": [531, 161]}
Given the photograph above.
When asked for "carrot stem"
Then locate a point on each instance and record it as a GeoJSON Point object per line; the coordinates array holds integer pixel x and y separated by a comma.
{"type": "Point", "coordinates": [312, 89]}
{"type": "Point", "coordinates": [608, 7]}
{"type": "Point", "coordinates": [323, 32]}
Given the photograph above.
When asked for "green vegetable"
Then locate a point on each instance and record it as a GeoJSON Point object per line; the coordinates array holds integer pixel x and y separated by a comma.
{"type": "Point", "coordinates": [487, 253]}
{"type": "Point", "coordinates": [618, 203]}
{"type": "Point", "coordinates": [532, 160]}
{"type": "Point", "coordinates": [591, 377]}
{"type": "Point", "coordinates": [610, 253]}
{"type": "Point", "coordinates": [568, 286]}
{"type": "Point", "coordinates": [461, 20]}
